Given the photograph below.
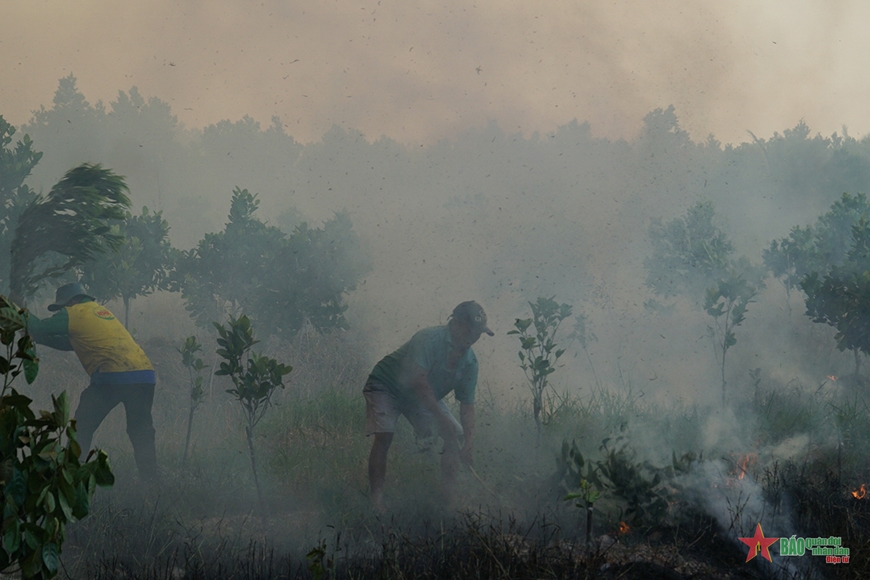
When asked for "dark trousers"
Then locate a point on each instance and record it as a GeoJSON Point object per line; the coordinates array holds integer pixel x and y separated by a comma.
{"type": "Point", "coordinates": [98, 400]}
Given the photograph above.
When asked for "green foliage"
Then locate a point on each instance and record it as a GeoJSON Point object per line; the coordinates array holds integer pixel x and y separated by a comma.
{"type": "Point", "coordinates": [67, 228]}
{"type": "Point", "coordinates": [581, 333]}
{"type": "Point", "coordinates": [841, 298]}
{"type": "Point", "coordinates": [688, 254]}
{"type": "Point", "coordinates": [43, 482]}
{"type": "Point", "coordinates": [140, 265]}
{"type": "Point", "coordinates": [281, 281]}
{"type": "Point", "coordinates": [570, 473]}
{"type": "Point", "coordinates": [791, 258]}
{"type": "Point", "coordinates": [194, 366]}
{"type": "Point", "coordinates": [255, 377]}
{"type": "Point", "coordinates": [820, 247]}
{"type": "Point", "coordinates": [642, 491]}
{"type": "Point", "coordinates": [538, 352]}
{"type": "Point", "coordinates": [727, 303]}
{"type": "Point", "coordinates": [16, 164]}
{"type": "Point", "coordinates": [639, 484]}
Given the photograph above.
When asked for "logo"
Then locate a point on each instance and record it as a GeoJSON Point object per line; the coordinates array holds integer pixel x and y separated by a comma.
{"type": "Point", "coordinates": [104, 314]}
{"type": "Point", "coordinates": [830, 548]}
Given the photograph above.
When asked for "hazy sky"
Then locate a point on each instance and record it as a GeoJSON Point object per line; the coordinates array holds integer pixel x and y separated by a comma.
{"type": "Point", "coordinates": [421, 71]}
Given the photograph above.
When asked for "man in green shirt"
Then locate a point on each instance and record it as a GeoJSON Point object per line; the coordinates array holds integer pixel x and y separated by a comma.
{"type": "Point", "coordinates": [413, 380]}
{"type": "Point", "coordinates": [119, 369]}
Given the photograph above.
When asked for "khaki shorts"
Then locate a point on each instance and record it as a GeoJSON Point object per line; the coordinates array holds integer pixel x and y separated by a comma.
{"type": "Point", "coordinates": [383, 410]}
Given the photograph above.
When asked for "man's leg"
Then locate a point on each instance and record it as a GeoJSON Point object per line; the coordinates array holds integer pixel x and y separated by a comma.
{"type": "Point", "coordinates": [382, 413]}
{"type": "Point", "coordinates": [138, 400]}
{"type": "Point", "coordinates": [378, 468]}
{"type": "Point", "coordinates": [94, 404]}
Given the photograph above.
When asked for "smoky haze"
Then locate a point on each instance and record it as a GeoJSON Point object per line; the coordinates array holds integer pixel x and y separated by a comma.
{"type": "Point", "coordinates": [499, 152]}
{"type": "Point", "coordinates": [421, 72]}
{"type": "Point", "coordinates": [491, 215]}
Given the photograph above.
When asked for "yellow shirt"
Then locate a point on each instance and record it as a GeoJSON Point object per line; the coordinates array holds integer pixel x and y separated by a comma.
{"type": "Point", "coordinates": [101, 342]}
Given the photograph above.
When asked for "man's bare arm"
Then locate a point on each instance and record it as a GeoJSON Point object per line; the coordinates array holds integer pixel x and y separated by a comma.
{"type": "Point", "coordinates": [425, 395]}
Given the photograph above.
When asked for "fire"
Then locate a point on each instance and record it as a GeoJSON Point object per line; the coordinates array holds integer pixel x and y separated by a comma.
{"type": "Point", "coordinates": [860, 492]}
{"type": "Point", "coordinates": [744, 463]}
{"type": "Point", "coordinates": [624, 528]}
{"type": "Point", "coordinates": [832, 378]}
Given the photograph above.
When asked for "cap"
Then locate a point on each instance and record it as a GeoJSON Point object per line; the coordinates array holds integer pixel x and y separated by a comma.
{"type": "Point", "coordinates": [66, 293]}
{"type": "Point", "coordinates": [471, 313]}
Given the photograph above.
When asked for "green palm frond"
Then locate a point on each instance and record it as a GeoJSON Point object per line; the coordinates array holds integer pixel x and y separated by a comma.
{"type": "Point", "coordinates": [70, 223]}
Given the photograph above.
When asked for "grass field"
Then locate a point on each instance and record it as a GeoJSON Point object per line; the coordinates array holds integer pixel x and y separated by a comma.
{"type": "Point", "coordinates": [789, 459]}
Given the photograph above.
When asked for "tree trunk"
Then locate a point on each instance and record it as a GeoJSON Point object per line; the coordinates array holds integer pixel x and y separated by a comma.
{"type": "Point", "coordinates": [187, 439]}
{"type": "Point", "coordinates": [589, 511]}
{"type": "Point", "coordinates": [249, 431]}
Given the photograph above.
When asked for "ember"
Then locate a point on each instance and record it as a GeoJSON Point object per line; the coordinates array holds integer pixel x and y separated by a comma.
{"type": "Point", "coordinates": [859, 493]}
{"type": "Point", "coordinates": [624, 528]}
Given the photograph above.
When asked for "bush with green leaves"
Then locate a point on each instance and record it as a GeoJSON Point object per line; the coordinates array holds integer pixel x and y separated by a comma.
{"type": "Point", "coordinates": [44, 482]}
{"type": "Point", "coordinates": [283, 282]}
{"type": "Point", "coordinates": [642, 492]}
{"type": "Point", "coordinates": [140, 265]}
{"type": "Point", "coordinates": [255, 378]}
{"type": "Point", "coordinates": [583, 487]}
{"type": "Point", "coordinates": [538, 349]}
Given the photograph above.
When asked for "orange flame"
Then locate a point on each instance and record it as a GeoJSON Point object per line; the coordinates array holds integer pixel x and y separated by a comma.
{"type": "Point", "coordinates": [833, 378]}
{"type": "Point", "coordinates": [859, 493]}
{"type": "Point", "coordinates": [624, 528]}
{"type": "Point", "coordinates": [744, 463]}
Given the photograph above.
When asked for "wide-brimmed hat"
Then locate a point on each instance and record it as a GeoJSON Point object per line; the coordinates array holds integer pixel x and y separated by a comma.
{"type": "Point", "coordinates": [66, 293]}
{"type": "Point", "coordinates": [472, 313]}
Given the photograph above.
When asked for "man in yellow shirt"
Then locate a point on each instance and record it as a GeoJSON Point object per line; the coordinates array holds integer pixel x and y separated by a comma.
{"type": "Point", "coordinates": [119, 369]}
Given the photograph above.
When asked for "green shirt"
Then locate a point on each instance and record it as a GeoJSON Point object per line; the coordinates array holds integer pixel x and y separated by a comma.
{"type": "Point", "coordinates": [428, 349]}
{"type": "Point", "coordinates": [52, 332]}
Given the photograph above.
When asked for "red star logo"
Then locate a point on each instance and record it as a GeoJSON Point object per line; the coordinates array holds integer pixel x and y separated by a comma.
{"type": "Point", "coordinates": [759, 543]}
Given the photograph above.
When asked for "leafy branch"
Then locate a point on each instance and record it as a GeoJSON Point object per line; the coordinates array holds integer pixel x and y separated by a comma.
{"type": "Point", "coordinates": [539, 352]}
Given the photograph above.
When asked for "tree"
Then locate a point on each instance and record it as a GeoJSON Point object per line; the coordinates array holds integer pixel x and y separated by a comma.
{"type": "Point", "coordinates": [538, 352]}
{"type": "Point", "coordinates": [788, 259]}
{"type": "Point", "coordinates": [16, 164]}
{"type": "Point", "coordinates": [141, 264]}
{"type": "Point", "coordinates": [194, 366]}
{"type": "Point", "coordinates": [255, 378]}
{"type": "Point", "coordinates": [66, 228]}
{"type": "Point", "coordinates": [819, 247]}
{"type": "Point", "coordinates": [727, 302]}
{"type": "Point", "coordinates": [841, 298]}
{"type": "Point", "coordinates": [689, 253]}
{"type": "Point", "coordinates": [283, 282]}
{"type": "Point", "coordinates": [223, 273]}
